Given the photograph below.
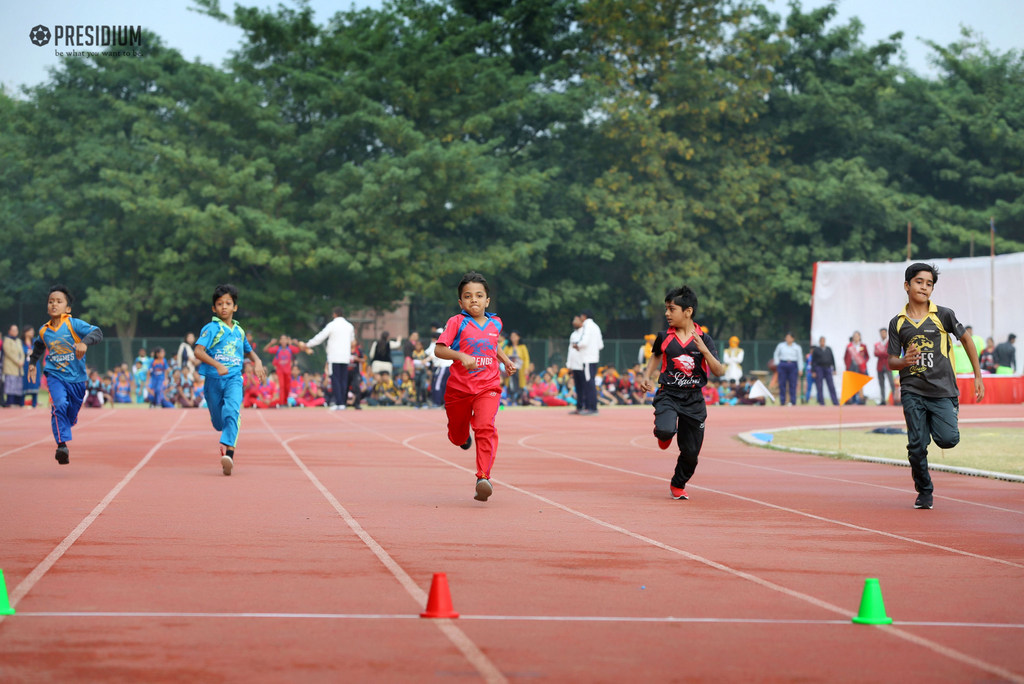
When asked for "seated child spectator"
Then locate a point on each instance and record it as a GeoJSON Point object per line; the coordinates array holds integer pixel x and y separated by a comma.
{"type": "Point", "coordinates": [710, 392]}
{"type": "Point", "coordinates": [384, 392]}
{"type": "Point", "coordinates": [122, 388]}
{"type": "Point", "coordinates": [544, 392]}
{"type": "Point", "coordinates": [94, 397]}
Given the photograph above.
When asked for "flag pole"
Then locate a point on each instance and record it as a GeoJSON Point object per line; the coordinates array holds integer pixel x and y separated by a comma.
{"type": "Point", "coordinates": [992, 272]}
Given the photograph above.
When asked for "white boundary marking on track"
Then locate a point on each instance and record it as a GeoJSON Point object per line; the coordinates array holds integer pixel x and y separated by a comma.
{"type": "Point", "coordinates": [749, 439]}
{"type": "Point", "coordinates": [832, 521]}
{"type": "Point", "coordinates": [51, 559]}
{"type": "Point", "coordinates": [488, 670]}
{"type": "Point", "coordinates": [50, 439]}
{"type": "Point", "coordinates": [807, 598]}
{"type": "Point", "coordinates": [903, 490]}
{"type": "Point", "coordinates": [509, 618]}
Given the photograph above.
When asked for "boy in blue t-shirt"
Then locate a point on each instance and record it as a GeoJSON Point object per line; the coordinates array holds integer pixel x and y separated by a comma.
{"type": "Point", "coordinates": [222, 348]}
{"type": "Point", "coordinates": [66, 339]}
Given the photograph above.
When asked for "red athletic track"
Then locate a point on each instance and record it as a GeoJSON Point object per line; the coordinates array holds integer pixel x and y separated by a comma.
{"type": "Point", "coordinates": [140, 561]}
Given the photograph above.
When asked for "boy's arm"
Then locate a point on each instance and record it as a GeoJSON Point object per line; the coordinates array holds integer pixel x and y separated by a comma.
{"type": "Point", "coordinates": [205, 357]}
{"type": "Point", "coordinates": [714, 365]}
{"type": "Point", "coordinates": [92, 337]}
{"type": "Point", "coordinates": [38, 349]}
{"type": "Point", "coordinates": [972, 354]}
{"type": "Point", "coordinates": [257, 365]}
{"type": "Point", "coordinates": [510, 367]}
{"type": "Point", "coordinates": [443, 351]}
{"type": "Point", "coordinates": [646, 383]}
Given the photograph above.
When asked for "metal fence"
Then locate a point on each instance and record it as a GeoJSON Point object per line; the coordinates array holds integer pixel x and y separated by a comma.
{"type": "Point", "coordinates": [622, 354]}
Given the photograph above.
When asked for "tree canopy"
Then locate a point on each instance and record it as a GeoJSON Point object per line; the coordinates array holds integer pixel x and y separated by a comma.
{"type": "Point", "coordinates": [579, 154]}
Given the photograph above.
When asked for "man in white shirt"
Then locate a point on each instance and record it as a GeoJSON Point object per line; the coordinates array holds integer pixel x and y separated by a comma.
{"type": "Point", "coordinates": [574, 362]}
{"type": "Point", "coordinates": [589, 346]}
{"type": "Point", "coordinates": [339, 334]}
{"type": "Point", "coordinates": [442, 369]}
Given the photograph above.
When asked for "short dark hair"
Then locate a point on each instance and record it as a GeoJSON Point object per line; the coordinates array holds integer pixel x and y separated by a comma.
{"type": "Point", "coordinates": [338, 311]}
{"type": "Point", "coordinates": [683, 297]}
{"type": "Point", "coordinates": [917, 267]}
{"type": "Point", "coordinates": [222, 290]}
{"type": "Point", "coordinates": [60, 288]}
{"type": "Point", "coordinates": [474, 277]}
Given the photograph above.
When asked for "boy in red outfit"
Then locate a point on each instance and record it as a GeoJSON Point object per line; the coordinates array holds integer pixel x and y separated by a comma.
{"type": "Point", "coordinates": [470, 338]}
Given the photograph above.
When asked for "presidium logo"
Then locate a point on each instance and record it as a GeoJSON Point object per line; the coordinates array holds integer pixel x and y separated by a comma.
{"type": "Point", "coordinates": [72, 35]}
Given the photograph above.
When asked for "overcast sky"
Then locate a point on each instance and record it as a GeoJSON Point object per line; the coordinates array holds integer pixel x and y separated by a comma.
{"type": "Point", "coordinates": [1001, 22]}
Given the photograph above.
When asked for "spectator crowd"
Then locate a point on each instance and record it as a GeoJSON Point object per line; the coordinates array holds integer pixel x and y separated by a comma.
{"type": "Point", "coordinates": [400, 372]}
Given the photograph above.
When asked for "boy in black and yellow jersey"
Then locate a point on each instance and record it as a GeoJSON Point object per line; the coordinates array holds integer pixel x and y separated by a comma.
{"type": "Point", "coordinates": [920, 349]}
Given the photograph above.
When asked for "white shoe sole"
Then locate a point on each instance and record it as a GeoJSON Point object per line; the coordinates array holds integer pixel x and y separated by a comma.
{"type": "Point", "coordinates": [227, 464]}
{"type": "Point", "coordinates": [483, 490]}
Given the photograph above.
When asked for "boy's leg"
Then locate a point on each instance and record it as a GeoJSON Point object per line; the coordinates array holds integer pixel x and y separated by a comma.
{"type": "Point", "coordinates": [942, 421]}
{"type": "Point", "coordinates": [819, 378]}
{"type": "Point", "coordinates": [690, 440]}
{"type": "Point", "coordinates": [215, 401]}
{"type": "Point", "coordinates": [915, 411]}
{"type": "Point", "coordinates": [485, 408]}
{"type": "Point", "coordinates": [459, 407]}
{"type": "Point", "coordinates": [231, 408]}
{"type": "Point", "coordinates": [59, 410]}
{"type": "Point", "coordinates": [665, 417]}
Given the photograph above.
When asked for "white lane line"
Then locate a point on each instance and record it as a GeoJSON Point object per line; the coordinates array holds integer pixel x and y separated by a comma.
{"type": "Point", "coordinates": [505, 618]}
{"type": "Point", "coordinates": [51, 559]}
{"type": "Point", "coordinates": [806, 598]}
{"type": "Point", "coordinates": [831, 521]}
{"type": "Point", "coordinates": [488, 670]}
{"type": "Point", "coordinates": [49, 440]}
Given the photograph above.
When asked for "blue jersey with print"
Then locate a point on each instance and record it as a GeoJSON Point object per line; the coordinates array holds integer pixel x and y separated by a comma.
{"type": "Point", "coordinates": [60, 344]}
{"type": "Point", "coordinates": [226, 345]}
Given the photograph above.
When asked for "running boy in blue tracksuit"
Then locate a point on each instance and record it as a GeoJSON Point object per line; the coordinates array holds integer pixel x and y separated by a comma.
{"type": "Point", "coordinates": [66, 339]}
{"type": "Point", "coordinates": [222, 348]}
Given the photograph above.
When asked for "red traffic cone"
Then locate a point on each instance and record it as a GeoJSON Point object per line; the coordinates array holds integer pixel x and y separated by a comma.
{"type": "Point", "coordinates": [439, 603]}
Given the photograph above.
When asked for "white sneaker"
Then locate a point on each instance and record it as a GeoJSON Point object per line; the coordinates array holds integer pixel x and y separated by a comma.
{"type": "Point", "coordinates": [226, 463]}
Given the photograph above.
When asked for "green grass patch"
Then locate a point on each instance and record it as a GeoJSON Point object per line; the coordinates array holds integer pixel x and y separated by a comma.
{"type": "Point", "coordinates": [996, 449]}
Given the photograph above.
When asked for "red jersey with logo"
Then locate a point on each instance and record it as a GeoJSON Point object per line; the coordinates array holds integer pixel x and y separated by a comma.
{"type": "Point", "coordinates": [463, 334]}
{"type": "Point", "coordinates": [683, 366]}
{"type": "Point", "coordinates": [283, 354]}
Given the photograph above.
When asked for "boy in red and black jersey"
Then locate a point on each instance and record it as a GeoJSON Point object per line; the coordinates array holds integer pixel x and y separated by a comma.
{"type": "Point", "coordinates": [683, 356]}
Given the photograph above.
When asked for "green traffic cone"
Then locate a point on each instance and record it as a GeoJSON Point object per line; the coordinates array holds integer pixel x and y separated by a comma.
{"type": "Point", "coordinates": [5, 605]}
{"type": "Point", "coordinates": [872, 608]}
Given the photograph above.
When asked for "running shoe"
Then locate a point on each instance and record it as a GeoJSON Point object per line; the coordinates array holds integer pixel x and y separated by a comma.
{"type": "Point", "coordinates": [63, 454]}
{"type": "Point", "coordinates": [923, 501]}
{"type": "Point", "coordinates": [226, 462]}
{"type": "Point", "coordinates": [483, 489]}
{"type": "Point", "coordinates": [665, 443]}
{"type": "Point", "coordinates": [678, 493]}
{"type": "Point", "coordinates": [468, 443]}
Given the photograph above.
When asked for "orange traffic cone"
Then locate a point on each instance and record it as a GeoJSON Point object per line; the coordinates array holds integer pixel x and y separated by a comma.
{"type": "Point", "coordinates": [439, 603]}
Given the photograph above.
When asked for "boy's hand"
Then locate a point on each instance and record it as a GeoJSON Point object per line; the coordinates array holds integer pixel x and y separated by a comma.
{"type": "Point", "coordinates": [510, 368]}
{"type": "Point", "coordinates": [261, 372]}
{"type": "Point", "coordinates": [698, 339]}
{"type": "Point", "coordinates": [80, 349]}
{"type": "Point", "coordinates": [979, 389]}
{"type": "Point", "coordinates": [221, 368]}
{"type": "Point", "coordinates": [912, 355]}
{"type": "Point", "coordinates": [32, 373]}
{"type": "Point", "coordinates": [645, 384]}
{"type": "Point", "coordinates": [469, 362]}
